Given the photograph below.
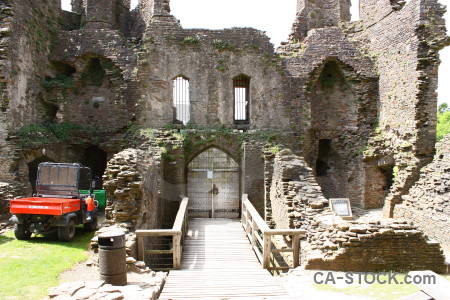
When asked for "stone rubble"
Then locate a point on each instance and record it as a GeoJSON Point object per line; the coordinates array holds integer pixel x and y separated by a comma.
{"type": "Point", "coordinates": [4, 227]}
{"type": "Point", "coordinates": [143, 287]}
{"type": "Point", "coordinates": [295, 188]}
{"type": "Point", "coordinates": [335, 244]}
{"type": "Point", "coordinates": [6, 193]}
{"type": "Point", "coordinates": [123, 184]}
{"type": "Point", "coordinates": [369, 244]}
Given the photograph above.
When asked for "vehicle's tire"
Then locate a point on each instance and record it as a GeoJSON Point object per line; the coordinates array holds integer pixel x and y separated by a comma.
{"type": "Point", "coordinates": [91, 226]}
{"type": "Point", "coordinates": [22, 232]}
{"type": "Point", "coordinates": [67, 233]}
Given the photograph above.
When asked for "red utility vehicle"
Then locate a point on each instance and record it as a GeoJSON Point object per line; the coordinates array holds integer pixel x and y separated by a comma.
{"type": "Point", "coordinates": [57, 205]}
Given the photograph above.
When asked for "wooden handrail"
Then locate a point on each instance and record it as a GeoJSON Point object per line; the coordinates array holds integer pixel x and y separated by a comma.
{"type": "Point", "coordinates": [260, 236]}
{"type": "Point", "coordinates": [177, 233]}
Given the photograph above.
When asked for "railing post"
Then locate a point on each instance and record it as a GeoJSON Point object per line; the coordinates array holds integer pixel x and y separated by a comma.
{"type": "Point", "coordinates": [254, 233]}
{"type": "Point", "coordinates": [243, 213]}
{"type": "Point", "coordinates": [266, 250]}
{"type": "Point", "coordinates": [247, 222]}
{"type": "Point", "coordinates": [140, 250]}
{"type": "Point", "coordinates": [176, 251]}
{"type": "Point", "coordinates": [296, 250]}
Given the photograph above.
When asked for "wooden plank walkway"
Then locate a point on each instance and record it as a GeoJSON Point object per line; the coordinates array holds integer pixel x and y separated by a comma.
{"type": "Point", "coordinates": [218, 263]}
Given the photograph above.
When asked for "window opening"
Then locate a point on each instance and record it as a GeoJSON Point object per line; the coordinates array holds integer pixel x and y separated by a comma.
{"type": "Point", "coordinates": [181, 100]}
{"type": "Point", "coordinates": [241, 86]}
{"type": "Point", "coordinates": [354, 10]}
{"type": "Point", "coordinates": [134, 4]}
{"type": "Point", "coordinates": [66, 5]}
{"type": "Point", "coordinates": [322, 166]}
{"type": "Point", "coordinates": [388, 173]}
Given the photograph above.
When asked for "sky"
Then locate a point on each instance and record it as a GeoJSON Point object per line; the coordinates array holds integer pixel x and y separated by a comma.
{"type": "Point", "coordinates": [275, 19]}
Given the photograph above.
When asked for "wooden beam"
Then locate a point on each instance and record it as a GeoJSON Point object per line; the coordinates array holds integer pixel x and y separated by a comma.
{"type": "Point", "coordinates": [296, 250]}
{"type": "Point", "coordinates": [177, 251]}
{"type": "Point", "coordinates": [266, 251]}
{"type": "Point", "coordinates": [157, 232]}
{"type": "Point", "coordinates": [158, 251]}
{"type": "Point", "coordinates": [179, 220]}
{"type": "Point", "coordinates": [141, 249]}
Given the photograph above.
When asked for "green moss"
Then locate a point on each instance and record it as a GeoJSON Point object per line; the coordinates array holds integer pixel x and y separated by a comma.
{"type": "Point", "coordinates": [395, 172]}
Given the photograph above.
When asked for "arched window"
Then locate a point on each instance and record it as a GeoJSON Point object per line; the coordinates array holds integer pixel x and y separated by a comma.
{"type": "Point", "coordinates": [241, 86]}
{"type": "Point", "coordinates": [181, 101]}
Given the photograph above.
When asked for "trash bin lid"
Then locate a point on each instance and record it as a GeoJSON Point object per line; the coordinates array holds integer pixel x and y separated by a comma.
{"type": "Point", "coordinates": [111, 240]}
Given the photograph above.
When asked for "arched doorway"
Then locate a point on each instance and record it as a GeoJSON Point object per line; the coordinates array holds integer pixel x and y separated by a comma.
{"type": "Point", "coordinates": [213, 185]}
{"type": "Point", "coordinates": [96, 159]}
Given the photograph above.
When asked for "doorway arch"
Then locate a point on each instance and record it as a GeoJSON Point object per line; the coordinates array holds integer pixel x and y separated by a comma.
{"type": "Point", "coordinates": [213, 185]}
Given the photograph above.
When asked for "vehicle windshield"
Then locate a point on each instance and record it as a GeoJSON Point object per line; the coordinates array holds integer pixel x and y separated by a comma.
{"type": "Point", "coordinates": [58, 175]}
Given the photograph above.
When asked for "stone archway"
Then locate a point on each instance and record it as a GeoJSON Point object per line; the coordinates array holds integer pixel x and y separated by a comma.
{"type": "Point", "coordinates": [213, 185]}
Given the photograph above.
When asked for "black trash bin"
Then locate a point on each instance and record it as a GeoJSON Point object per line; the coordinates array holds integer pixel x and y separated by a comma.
{"type": "Point", "coordinates": [112, 257]}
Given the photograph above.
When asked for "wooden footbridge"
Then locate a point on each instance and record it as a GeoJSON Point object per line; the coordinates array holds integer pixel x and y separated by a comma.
{"type": "Point", "coordinates": [221, 258]}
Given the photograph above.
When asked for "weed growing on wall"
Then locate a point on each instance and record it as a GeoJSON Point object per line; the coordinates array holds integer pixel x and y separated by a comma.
{"type": "Point", "coordinates": [221, 45]}
{"type": "Point", "coordinates": [38, 134]}
{"type": "Point", "coordinates": [190, 41]}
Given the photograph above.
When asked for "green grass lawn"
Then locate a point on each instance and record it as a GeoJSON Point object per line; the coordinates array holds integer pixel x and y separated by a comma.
{"type": "Point", "coordinates": [29, 268]}
{"type": "Point", "coordinates": [376, 290]}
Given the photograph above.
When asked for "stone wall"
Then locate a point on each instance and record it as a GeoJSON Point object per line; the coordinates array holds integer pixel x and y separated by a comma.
{"type": "Point", "coordinates": [369, 247]}
{"type": "Point", "coordinates": [27, 31]}
{"type": "Point", "coordinates": [6, 193]}
{"type": "Point", "coordinates": [210, 60]}
{"type": "Point", "coordinates": [321, 67]}
{"type": "Point", "coordinates": [428, 202]}
{"type": "Point", "coordinates": [132, 181]}
{"type": "Point", "coordinates": [296, 201]}
{"type": "Point", "coordinates": [101, 82]}
{"type": "Point", "coordinates": [123, 185]}
{"type": "Point", "coordinates": [404, 40]}
{"type": "Point", "coordinates": [294, 192]}
{"type": "Point", "coordinates": [252, 174]}
{"type": "Point", "coordinates": [139, 76]}
{"type": "Point", "coordinates": [318, 14]}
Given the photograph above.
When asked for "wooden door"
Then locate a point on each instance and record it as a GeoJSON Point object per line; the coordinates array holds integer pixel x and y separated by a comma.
{"type": "Point", "coordinates": [213, 185]}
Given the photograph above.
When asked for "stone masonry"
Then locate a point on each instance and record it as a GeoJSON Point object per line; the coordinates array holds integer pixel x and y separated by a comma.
{"type": "Point", "coordinates": [428, 202]}
{"type": "Point", "coordinates": [335, 244]}
{"type": "Point", "coordinates": [376, 246]}
{"type": "Point", "coordinates": [353, 104]}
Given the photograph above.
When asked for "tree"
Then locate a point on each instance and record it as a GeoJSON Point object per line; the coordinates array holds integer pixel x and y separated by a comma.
{"type": "Point", "coordinates": [443, 121]}
{"type": "Point", "coordinates": [443, 108]}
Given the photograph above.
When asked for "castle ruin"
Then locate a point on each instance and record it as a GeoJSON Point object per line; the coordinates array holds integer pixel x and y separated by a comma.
{"type": "Point", "coordinates": [342, 110]}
